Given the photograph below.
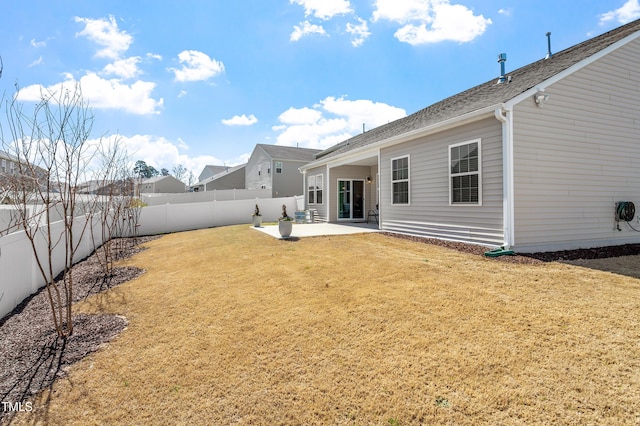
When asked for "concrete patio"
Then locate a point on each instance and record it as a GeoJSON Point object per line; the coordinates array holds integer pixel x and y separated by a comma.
{"type": "Point", "coordinates": [301, 230]}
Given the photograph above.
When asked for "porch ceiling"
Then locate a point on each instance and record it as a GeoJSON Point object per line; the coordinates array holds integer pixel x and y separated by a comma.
{"type": "Point", "coordinates": [360, 161]}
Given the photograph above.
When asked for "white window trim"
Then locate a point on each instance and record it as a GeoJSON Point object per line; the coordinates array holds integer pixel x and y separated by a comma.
{"type": "Point", "coordinates": [281, 167]}
{"type": "Point", "coordinates": [315, 178]}
{"type": "Point", "coordinates": [311, 191]}
{"type": "Point", "coordinates": [479, 172]}
{"type": "Point", "coordinates": [408, 180]}
{"type": "Point", "coordinates": [321, 186]}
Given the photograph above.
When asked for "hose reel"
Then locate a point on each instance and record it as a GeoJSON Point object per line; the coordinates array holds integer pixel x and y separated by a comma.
{"type": "Point", "coordinates": [625, 211]}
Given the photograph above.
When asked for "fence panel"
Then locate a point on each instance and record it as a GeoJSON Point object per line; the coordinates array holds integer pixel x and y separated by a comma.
{"type": "Point", "coordinates": [203, 197]}
{"type": "Point", "coordinates": [20, 275]}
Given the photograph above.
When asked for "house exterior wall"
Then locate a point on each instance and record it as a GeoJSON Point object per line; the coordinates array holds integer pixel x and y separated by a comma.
{"type": "Point", "coordinates": [349, 172]}
{"type": "Point", "coordinates": [166, 185]}
{"type": "Point", "coordinates": [258, 173]}
{"type": "Point", "coordinates": [232, 180]}
{"type": "Point", "coordinates": [322, 208]}
{"type": "Point", "coordinates": [290, 181]}
{"type": "Point", "coordinates": [429, 213]}
{"type": "Point", "coordinates": [170, 185]}
{"type": "Point", "coordinates": [261, 173]}
{"type": "Point", "coordinates": [578, 155]}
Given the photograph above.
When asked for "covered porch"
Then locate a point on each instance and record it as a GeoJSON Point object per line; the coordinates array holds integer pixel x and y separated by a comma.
{"type": "Point", "coordinates": [345, 191]}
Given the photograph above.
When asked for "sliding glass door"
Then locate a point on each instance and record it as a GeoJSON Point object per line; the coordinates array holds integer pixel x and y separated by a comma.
{"type": "Point", "coordinates": [351, 199]}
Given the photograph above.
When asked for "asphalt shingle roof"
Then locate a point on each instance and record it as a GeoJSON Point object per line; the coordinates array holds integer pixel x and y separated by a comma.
{"type": "Point", "coordinates": [486, 94]}
{"type": "Point", "coordinates": [290, 153]}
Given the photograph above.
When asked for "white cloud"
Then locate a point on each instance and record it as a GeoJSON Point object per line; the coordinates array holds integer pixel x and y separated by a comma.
{"type": "Point", "coordinates": [324, 9]}
{"type": "Point", "coordinates": [306, 28]}
{"type": "Point", "coordinates": [197, 66]}
{"type": "Point", "coordinates": [402, 11]}
{"type": "Point", "coordinates": [124, 68]}
{"type": "Point", "coordinates": [37, 44]}
{"type": "Point", "coordinates": [626, 13]}
{"type": "Point", "coordinates": [431, 21]}
{"type": "Point", "coordinates": [100, 93]}
{"type": "Point", "coordinates": [240, 120]}
{"type": "Point", "coordinates": [182, 94]}
{"type": "Point", "coordinates": [106, 34]}
{"type": "Point", "coordinates": [332, 120]}
{"type": "Point", "coordinates": [300, 116]}
{"type": "Point", "coordinates": [505, 12]}
{"type": "Point", "coordinates": [360, 32]}
{"type": "Point", "coordinates": [160, 152]}
{"type": "Point", "coordinates": [38, 61]}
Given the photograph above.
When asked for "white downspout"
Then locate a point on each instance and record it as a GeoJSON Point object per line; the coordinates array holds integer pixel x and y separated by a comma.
{"type": "Point", "coordinates": [505, 116]}
{"type": "Point", "coordinates": [378, 189]}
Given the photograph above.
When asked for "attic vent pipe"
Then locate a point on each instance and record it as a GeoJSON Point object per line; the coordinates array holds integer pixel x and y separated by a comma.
{"type": "Point", "coordinates": [549, 54]}
{"type": "Point", "coordinates": [502, 58]}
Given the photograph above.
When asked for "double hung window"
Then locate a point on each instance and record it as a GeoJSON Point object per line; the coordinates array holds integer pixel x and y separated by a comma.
{"type": "Point", "coordinates": [400, 180]}
{"type": "Point", "coordinates": [464, 173]}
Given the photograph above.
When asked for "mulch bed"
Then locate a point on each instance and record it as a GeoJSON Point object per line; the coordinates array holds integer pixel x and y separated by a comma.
{"type": "Point", "coordinates": [532, 258]}
{"type": "Point", "coordinates": [31, 354]}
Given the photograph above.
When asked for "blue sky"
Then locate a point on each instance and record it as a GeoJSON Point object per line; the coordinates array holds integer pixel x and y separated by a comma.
{"type": "Point", "coordinates": [203, 82]}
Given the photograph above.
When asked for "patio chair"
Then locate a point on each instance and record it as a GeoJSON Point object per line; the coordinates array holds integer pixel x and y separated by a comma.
{"type": "Point", "coordinates": [374, 214]}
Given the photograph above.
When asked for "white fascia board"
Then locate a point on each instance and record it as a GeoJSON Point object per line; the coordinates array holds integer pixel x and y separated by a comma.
{"type": "Point", "coordinates": [572, 69]}
{"type": "Point", "coordinates": [371, 150]}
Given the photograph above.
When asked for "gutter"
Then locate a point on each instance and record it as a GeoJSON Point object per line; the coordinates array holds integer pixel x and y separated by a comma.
{"type": "Point", "coordinates": [504, 114]}
{"type": "Point", "coordinates": [404, 137]}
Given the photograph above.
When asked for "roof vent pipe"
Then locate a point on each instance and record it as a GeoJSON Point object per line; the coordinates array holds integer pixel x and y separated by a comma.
{"type": "Point", "coordinates": [549, 54]}
{"type": "Point", "coordinates": [502, 58]}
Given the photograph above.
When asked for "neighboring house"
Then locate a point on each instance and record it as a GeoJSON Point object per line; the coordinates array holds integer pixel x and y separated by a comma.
{"type": "Point", "coordinates": [161, 185]}
{"type": "Point", "coordinates": [276, 168]}
{"type": "Point", "coordinates": [13, 175]}
{"type": "Point", "coordinates": [99, 187]}
{"type": "Point", "coordinates": [210, 171]}
{"type": "Point", "coordinates": [535, 160]}
{"type": "Point", "coordinates": [227, 178]}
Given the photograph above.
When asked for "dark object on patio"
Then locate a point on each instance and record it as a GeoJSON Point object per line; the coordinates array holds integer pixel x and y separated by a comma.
{"type": "Point", "coordinates": [374, 214]}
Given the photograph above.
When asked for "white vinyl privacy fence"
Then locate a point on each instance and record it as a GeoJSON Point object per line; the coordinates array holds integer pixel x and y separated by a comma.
{"type": "Point", "coordinates": [19, 273]}
{"type": "Point", "coordinates": [200, 197]}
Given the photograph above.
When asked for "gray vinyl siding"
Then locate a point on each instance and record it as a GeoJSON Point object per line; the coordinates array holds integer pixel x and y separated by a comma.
{"type": "Point", "coordinates": [429, 213]}
{"type": "Point", "coordinates": [232, 180]}
{"type": "Point", "coordinates": [290, 181]}
{"type": "Point", "coordinates": [285, 184]}
{"type": "Point", "coordinates": [578, 155]}
{"type": "Point", "coordinates": [259, 161]}
{"type": "Point", "coordinates": [321, 209]}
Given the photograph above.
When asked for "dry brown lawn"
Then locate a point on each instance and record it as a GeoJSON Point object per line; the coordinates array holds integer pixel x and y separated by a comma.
{"type": "Point", "coordinates": [231, 326]}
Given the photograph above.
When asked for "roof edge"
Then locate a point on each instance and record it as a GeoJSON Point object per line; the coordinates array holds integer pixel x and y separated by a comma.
{"type": "Point", "coordinates": [469, 117]}
{"type": "Point", "coordinates": [572, 69]}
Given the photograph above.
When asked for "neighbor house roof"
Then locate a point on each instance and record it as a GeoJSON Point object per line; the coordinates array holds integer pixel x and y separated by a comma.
{"type": "Point", "coordinates": [486, 94]}
{"type": "Point", "coordinates": [225, 171]}
{"type": "Point", "coordinates": [289, 153]}
{"type": "Point", "coordinates": [158, 179]}
{"type": "Point", "coordinates": [216, 169]}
